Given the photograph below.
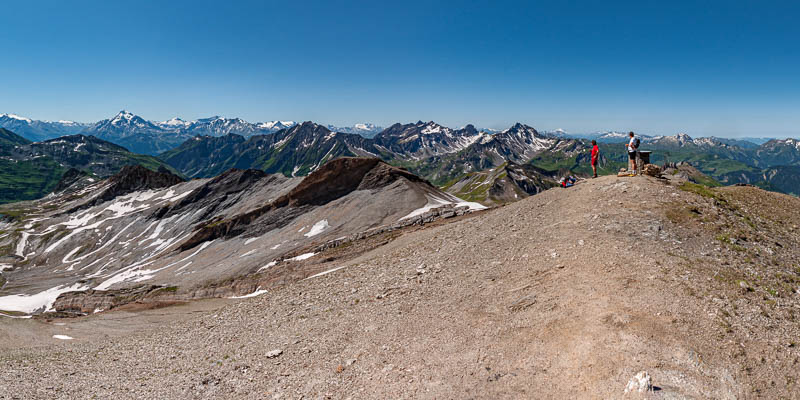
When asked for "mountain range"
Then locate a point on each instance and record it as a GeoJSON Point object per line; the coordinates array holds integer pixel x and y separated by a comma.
{"type": "Point", "coordinates": [208, 147]}
{"type": "Point", "coordinates": [428, 149]}
{"type": "Point", "coordinates": [153, 137]}
{"type": "Point", "coordinates": [30, 170]}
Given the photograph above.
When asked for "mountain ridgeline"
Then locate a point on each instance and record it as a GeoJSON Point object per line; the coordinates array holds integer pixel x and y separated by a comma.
{"type": "Point", "coordinates": [208, 147]}
{"type": "Point", "coordinates": [153, 137]}
{"type": "Point", "coordinates": [435, 152]}
{"type": "Point", "coordinates": [30, 170]}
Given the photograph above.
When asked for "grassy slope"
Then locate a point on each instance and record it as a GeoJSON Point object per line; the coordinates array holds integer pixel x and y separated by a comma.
{"type": "Point", "coordinates": [28, 180]}
{"type": "Point", "coordinates": [34, 178]}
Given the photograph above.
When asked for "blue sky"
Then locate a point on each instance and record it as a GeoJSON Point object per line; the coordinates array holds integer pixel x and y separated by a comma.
{"type": "Point", "coordinates": [722, 68]}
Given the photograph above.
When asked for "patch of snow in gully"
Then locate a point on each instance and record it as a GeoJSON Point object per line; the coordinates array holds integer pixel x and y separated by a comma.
{"type": "Point", "coordinates": [436, 201]}
{"type": "Point", "coordinates": [302, 257]}
{"type": "Point", "coordinates": [324, 273]}
{"type": "Point", "coordinates": [258, 292]}
{"type": "Point", "coordinates": [39, 301]}
{"type": "Point", "coordinates": [318, 228]}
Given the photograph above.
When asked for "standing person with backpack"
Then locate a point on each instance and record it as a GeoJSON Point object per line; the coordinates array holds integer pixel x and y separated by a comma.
{"type": "Point", "coordinates": [595, 154]}
{"type": "Point", "coordinates": [633, 146]}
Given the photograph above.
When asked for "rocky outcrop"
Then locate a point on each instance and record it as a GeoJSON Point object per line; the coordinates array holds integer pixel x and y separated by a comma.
{"type": "Point", "coordinates": [651, 170]}
{"type": "Point", "coordinates": [72, 176]}
{"type": "Point", "coordinates": [214, 194]}
{"type": "Point", "coordinates": [686, 171]}
{"type": "Point", "coordinates": [333, 180]}
{"type": "Point", "coordinates": [640, 383]}
{"type": "Point", "coordinates": [443, 212]}
{"type": "Point", "coordinates": [90, 301]}
{"type": "Point", "coordinates": [526, 178]}
{"type": "Point", "coordinates": [133, 178]}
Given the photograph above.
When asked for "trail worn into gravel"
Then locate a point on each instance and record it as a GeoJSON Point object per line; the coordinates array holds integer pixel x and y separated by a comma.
{"type": "Point", "coordinates": [567, 294]}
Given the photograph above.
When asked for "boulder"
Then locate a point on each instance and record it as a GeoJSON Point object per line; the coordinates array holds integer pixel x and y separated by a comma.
{"type": "Point", "coordinates": [640, 383]}
{"type": "Point", "coordinates": [651, 170]}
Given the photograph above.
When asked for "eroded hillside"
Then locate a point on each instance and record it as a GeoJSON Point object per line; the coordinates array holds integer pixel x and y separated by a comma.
{"type": "Point", "coordinates": [566, 294]}
{"type": "Point", "coordinates": [141, 231]}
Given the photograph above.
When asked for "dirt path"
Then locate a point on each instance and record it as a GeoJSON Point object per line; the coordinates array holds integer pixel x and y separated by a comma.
{"type": "Point", "coordinates": [567, 294]}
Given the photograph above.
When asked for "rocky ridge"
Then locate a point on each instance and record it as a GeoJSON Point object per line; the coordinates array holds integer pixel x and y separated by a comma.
{"type": "Point", "coordinates": [144, 227]}
{"type": "Point", "coordinates": [547, 315]}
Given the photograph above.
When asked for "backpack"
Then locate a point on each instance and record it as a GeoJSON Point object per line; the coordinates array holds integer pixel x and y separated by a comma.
{"type": "Point", "coordinates": [636, 143]}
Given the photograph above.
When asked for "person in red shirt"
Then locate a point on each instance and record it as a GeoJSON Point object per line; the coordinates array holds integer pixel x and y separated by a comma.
{"type": "Point", "coordinates": [595, 153]}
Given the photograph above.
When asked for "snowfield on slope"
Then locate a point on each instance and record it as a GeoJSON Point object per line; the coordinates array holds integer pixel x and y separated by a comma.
{"type": "Point", "coordinates": [39, 301]}
{"type": "Point", "coordinates": [437, 201]}
{"type": "Point", "coordinates": [318, 228]}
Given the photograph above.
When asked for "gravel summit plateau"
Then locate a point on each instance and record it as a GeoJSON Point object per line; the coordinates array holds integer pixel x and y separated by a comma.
{"type": "Point", "coordinates": [618, 287]}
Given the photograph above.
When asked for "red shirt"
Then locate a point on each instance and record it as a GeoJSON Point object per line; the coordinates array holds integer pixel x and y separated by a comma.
{"type": "Point", "coordinates": [595, 150]}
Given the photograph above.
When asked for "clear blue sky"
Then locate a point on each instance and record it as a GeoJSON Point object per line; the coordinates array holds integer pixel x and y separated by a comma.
{"type": "Point", "coordinates": [727, 68]}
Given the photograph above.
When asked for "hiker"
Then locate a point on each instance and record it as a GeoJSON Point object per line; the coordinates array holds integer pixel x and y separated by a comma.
{"type": "Point", "coordinates": [595, 152]}
{"type": "Point", "coordinates": [633, 147]}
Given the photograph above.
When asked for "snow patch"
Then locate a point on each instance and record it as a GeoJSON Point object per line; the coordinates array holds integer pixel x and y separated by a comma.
{"type": "Point", "coordinates": [258, 292]}
{"type": "Point", "coordinates": [15, 316]}
{"type": "Point", "coordinates": [324, 273]}
{"type": "Point", "coordinates": [39, 301]}
{"type": "Point", "coordinates": [21, 245]}
{"type": "Point", "coordinates": [318, 228]}
{"type": "Point", "coordinates": [437, 201]}
{"type": "Point", "coordinates": [302, 257]}
{"type": "Point", "coordinates": [271, 264]}
{"type": "Point", "coordinates": [136, 274]}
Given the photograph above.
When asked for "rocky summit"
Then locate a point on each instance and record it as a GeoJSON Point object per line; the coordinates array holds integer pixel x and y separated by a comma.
{"type": "Point", "coordinates": [618, 287]}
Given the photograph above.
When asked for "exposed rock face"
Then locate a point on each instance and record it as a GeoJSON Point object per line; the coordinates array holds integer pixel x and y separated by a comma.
{"type": "Point", "coordinates": [231, 227]}
{"type": "Point", "coordinates": [134, 178]}
{"type": "Point", "coordinates": [529, 179]}
{"type": "Point", "coordinates": [504, 184]}
{"type": "Point", "coordinates": [296, 151]}
{"type": "Point", "coordinates": [651, 170]}
{"type": "Point", "coordinates": [333, 180]}
{"type": "Point", "coordinates": [425, 139]}
{"type": "Point", "coordinates": [72, 176]}
{"type": "Point", "coordinates": [686, 171]}
{"type": "Point", "coordinates": [90, 301]}
{"type": "Point", "coordinates": [219, 192]}
{"type": "Point", "coordinates": [344, 175]}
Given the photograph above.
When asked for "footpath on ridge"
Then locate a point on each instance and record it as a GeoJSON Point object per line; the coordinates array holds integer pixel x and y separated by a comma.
{"type": "Point", "coordinates": [566, 294]}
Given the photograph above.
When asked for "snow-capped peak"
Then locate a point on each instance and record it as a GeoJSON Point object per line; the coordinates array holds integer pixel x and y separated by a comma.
{"type": "Point", "coordinates": [519, 128]}
{"type": "Point", "coordinates": [17, 117]}
{"type": "Point", "coordinates": [276, 125]}
{"type": "Point", "coordinates": [125, 114]}
{"type": "Point", "coordinates": [432, 127]}
{"type": "Point", "coordinates": [122, 116]}
{"type": "Point", "coordinates": [174, 122]}
{"type": "Point", "coordinates": [793, 142]}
